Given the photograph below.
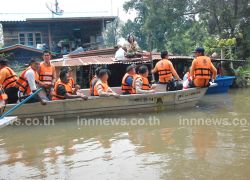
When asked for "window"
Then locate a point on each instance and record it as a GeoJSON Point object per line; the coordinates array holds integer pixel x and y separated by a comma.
{"type": "Point", "coordinates": [30, 39]}
{"type": "Point", "coordinates": [22, 38]}
{"type": "Point", "coordinates": [38, 38]}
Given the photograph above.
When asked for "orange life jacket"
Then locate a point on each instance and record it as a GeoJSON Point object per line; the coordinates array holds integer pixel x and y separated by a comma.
{"type": "Point", "coordinates": [105, 87]}
{"type": "Point", "coordinates": [46, 72]}
{"type": "Point", "coordinates": [125, 87]}
{"type": "Point", "coordinates": [202, 68]}
{"type": "Point", "coordinates": [23, 84]}
{"type": "Point", "coordinates": [72, 82]}
{"type": "Point", "coordinates": [145, 83]}
{"type": "Point", "coordinates": [67, 87]}
{"type": "Point", "coordinates": [3, 95]}
{"type": "Point", "coordinates": [92, 85]}
{"type": "Point", "coordinates": [10, 80]}
{"type": "Point", "coordinates": [164, 70]}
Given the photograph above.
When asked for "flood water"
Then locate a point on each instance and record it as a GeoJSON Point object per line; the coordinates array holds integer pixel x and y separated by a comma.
{"type": "Point", "coordinates": [209, 141]}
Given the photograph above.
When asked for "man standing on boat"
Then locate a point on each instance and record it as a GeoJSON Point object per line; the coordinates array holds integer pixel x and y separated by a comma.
{"type": "Point", "coordinates": [202, 70]}
{"type": "Point", "coordinates": [127, 80]}
{"type": "Point", "coordinates": [140, 83]}
{"type": "Point", "coordinates": [63, 88]}
{"type": "Point", "coordinates": [47, 74]}
{"type": "Point", "coordinates": [28, 82]}
{"type": "Point", "coordinates": [165, 69]}
{"type": "Point", "coordinates": [8, 80]}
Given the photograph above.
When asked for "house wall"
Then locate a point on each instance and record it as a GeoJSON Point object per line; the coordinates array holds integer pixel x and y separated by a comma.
{"type": "Point", "coordinates": [11, 32]}
{"type": "Point", "coordinates": [87, 31]}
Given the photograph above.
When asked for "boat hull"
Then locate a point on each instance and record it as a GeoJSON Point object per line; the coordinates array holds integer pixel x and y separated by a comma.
{"type": "Point", "coordinates": [223, 85]}
{"type": "Point", "coordinates": [125, 104]}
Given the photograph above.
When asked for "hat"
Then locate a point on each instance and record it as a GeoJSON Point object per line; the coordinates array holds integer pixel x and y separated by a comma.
{"type": "Point", "coordinates": [199, 50]}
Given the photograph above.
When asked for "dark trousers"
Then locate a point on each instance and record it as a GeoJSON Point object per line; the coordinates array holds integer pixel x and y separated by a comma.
{"type": "Point", "coordinates": [12, 95]}
{"type": "Point", "coordinates": [32, 100]}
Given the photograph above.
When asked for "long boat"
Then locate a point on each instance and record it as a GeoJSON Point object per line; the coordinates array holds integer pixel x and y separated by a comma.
{"type": "Point", "coordinates": [158, 101]}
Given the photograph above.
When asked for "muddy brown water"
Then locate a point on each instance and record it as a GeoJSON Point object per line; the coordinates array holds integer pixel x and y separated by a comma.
{"type": "Point", "coordinates": [209, 141]}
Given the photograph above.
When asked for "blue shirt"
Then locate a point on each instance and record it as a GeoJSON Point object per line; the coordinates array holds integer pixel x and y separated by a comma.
{"type": "Point", "coordinates": [129, 81]}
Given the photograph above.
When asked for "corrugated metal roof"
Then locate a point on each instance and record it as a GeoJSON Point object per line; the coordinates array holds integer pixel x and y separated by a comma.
{"type": "Point", "coordinates": [20, 46]}
{"type": "Point", "coordinates": [109, 59]}
{"type": "Point", "coordinates": [95, 60]}
{"type": "Point", "coordinates": [22, 18]}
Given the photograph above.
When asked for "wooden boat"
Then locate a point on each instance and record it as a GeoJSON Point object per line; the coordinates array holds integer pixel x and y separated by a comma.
{"type": "Point", "coordinates": [161, 100]}
{"type": "Point", "coordinates": [7, 121]}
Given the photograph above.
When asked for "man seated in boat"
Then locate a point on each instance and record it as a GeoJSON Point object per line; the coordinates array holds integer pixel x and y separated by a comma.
{"type": "Point", "coordinates": [101, 87]}
{"type": "Point", "coordinates": [8, 80]}
{"type": "Point", "coordinates": [140, 83]}
{"type": "Point", "coordinates": [165, 69]}
{"type": "Point", "coordinates": [127, 80]}
{"type": "Point", "coordinates": [63, 88]}
{"type": "Point", "coordinates": [93, 81]}
{"type": "Point", "coordinates": [75, 87]}
{"type": "Point", "coordinates": [28, 83]}
{"type": "Point", "coordinates": [202, 70]}
{"type": "Point", "coordinates": [47, 75]}
{"type": "Point", "coordinates": [132, 48]}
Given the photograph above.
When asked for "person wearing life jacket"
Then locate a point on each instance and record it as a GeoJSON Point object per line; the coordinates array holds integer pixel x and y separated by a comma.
{"type": "Point", "coordinates": [3, 98]}
{"type": "Point", "coordinates": [165, 69]}
{"type": "Point", "coordinates": [63, 88]}
{"type": "Point", "coordinates": [140, 83]}
{"type": "Point", "coordinates": [8, 80]}
{"type": "Point", "coordinates": [28, 83]}
{"type": "Point", "coordinates": [47, 74]}
{"type": "Point", "coordinates": [76, 87]}
{"type": "Point", "coordinates": [202, 70]}
{"type": "Point", "coordinates": [93, 81]}
{"type": "Point", "coordinates": [101, 87]}
{"type": "Point", "coordinates": [127, 80]}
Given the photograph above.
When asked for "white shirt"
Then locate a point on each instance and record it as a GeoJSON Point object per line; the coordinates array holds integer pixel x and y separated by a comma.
{"type": "Point", "coordinates": [30, 75]}
{"type": "Point", "coordinates": [120, 54]}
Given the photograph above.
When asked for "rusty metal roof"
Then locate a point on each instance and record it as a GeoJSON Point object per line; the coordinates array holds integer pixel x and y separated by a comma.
{"type": "Point", "coordinates": [106, 56]}
{"type": "Point", "coordinates": [96, 60]}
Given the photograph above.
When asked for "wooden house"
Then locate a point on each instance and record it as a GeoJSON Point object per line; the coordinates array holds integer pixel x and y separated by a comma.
{"type": "Point", "coordinates": [60, 35]}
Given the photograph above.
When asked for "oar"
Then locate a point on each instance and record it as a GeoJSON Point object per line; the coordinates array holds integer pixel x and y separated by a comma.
{"type": "Point", "coordinates": [20, 104]}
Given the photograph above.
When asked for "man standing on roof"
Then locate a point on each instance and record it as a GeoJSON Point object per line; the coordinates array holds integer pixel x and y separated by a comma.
{"type": "Point", "coordinates": [8, 80]}
{"type": "Point", "coordinates": [47, 74]}
{"type": "Point", "coordinates": [202, 70]}
{"type": "Point", "coordinates": [165, 69]}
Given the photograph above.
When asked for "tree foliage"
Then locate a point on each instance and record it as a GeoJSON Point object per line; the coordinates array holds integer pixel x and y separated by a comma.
{"type": "Point", "coordinates": [182, 25]}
